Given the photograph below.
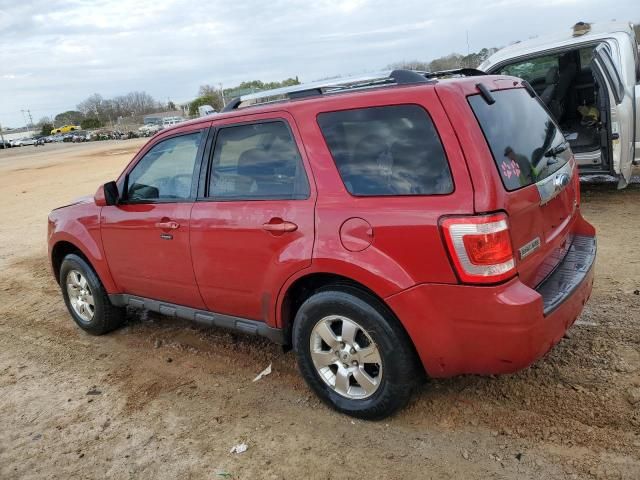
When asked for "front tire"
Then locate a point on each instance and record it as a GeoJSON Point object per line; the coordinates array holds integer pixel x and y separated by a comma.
{"type": "Point", "coordinates": [86, 298]}
{"type": "Point", "coordinates": [354, 354]}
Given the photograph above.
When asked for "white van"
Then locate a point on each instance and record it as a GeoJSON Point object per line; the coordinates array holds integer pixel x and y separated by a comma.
{"type": "Point", "coordinates": [589, 78]}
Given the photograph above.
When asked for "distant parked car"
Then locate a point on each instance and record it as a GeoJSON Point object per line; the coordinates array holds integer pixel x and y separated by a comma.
{"type": "Point", "coordinates": [23, 142]}
{"type": "Point", "coordinates": [79, 137]}
{"type": "Point", "coordinates": [149, 130]}
{"type": "Point", "coordinates": [39, 142]}
{"type": "Point", "coordinates": [65, 129]}
{"type": "Point", "coordinates": [5, 144]}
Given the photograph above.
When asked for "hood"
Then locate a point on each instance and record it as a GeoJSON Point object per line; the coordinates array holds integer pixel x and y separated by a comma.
{"type": "Point", "coordinates": [79, 200]}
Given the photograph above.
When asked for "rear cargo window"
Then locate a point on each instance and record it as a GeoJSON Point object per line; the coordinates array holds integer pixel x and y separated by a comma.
{"type": "Point", "coordinates": [391, 150]}
{"type": "Point", "coordinates": [526, 143]}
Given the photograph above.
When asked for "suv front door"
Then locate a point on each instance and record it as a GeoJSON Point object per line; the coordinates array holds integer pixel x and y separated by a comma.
{"type": "Point", "coordinates": [253, 225]}
{"type": "Point", "coordinates": [146, 235]}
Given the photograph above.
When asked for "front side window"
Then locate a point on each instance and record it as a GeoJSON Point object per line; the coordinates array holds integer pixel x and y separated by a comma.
{"type": "Point", "coordinates": [392, 150]}
{"type": "Point", "coordinates": [166, 171]}
{"type": "Point", "coordinates": [526, 143]}
{"type": "Point", "coordinates": [257, 161]}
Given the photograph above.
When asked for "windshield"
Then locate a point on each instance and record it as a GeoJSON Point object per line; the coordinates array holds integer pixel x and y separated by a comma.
{"type": "Point", "coordinates": [526, 143]}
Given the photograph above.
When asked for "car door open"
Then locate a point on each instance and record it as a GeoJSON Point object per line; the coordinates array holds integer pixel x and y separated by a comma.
{"type": "Point", "coordinates": [621, 132]}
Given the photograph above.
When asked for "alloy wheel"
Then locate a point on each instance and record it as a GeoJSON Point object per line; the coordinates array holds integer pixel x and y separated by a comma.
{"type": "Point", "coordinates": [80, 295]}
{"type": "Point", "coordinates": [346, 357]}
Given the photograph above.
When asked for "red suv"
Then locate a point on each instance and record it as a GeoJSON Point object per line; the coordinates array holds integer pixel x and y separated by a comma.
{"type": "Point", "coordinates": [384, 227]}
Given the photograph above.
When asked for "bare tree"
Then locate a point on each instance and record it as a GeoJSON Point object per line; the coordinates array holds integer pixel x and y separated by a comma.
{"type": "Point", "coordinates": [132, 104]}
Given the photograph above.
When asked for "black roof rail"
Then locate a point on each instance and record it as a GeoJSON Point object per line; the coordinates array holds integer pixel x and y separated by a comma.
{"type": "Point", "coordinates": [403, 77]}
{"type": "Point", "coordinates": [232, 104]}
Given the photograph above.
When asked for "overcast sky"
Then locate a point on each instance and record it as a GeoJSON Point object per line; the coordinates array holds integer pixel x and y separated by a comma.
{"type": "Point", "coordinates": [55, 53]}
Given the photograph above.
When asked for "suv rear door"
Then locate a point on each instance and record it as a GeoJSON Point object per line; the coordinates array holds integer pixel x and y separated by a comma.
{"type": "Point", "coordinates": [252, 226]}
{"type": "Point", "coordinates": [622, 112]}
{"type": "Point", "coordinates": [527, 170]}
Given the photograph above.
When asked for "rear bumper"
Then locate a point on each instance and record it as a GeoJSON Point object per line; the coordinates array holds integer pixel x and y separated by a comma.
{"type": "Point", "coordinates": [497, 329]}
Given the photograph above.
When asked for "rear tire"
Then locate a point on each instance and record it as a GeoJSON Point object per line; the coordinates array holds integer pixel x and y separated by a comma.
{"type": "Point", "coordinates": [86, 298]}
{"type": "Point", "coordinates": [353, 353]}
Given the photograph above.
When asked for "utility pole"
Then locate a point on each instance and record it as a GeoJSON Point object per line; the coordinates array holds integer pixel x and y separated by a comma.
{"type": "Point", "coordinates": [30, 119]}
{"type": "Point", "coordinates": [1, 136]}
{"type": "Point", "coordinates": [468, 50]}
{"type": "Point", "coordinates": [224, 104]}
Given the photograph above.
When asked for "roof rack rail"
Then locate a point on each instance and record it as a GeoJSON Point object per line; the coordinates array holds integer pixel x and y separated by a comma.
{"type": "Point", "coordinates": [394, 77]}
{"type": "Point", "coordinates": [322, 87]}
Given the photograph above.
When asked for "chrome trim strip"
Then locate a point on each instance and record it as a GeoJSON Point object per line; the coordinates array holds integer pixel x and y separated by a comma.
{"type": "Point", "coordinates": [550, 187]}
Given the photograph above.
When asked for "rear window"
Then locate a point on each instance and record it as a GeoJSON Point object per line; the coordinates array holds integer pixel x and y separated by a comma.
{"type": "Point", "coordinates": [392, 150]}
{"type": "Point", "coordinates": [519, 132]}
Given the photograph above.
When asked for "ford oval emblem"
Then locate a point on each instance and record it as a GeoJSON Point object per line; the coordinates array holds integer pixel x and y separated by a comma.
{"type": "Point", "coordinates": [561, 180]}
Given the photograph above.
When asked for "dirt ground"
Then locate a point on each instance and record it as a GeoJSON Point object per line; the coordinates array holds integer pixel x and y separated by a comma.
{"type": "Point", "coordinates": [165, 399]}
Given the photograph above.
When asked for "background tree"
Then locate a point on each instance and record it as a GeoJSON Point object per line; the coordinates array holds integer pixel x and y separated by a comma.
{"type": "Point", "coordinates": [45, 124]}
{"type": "Point", "coordinates": [207, 95]}
{"type": "Point", "coordinates": [90, 123]}
{"type": "Point", "coordinates": [210, 95]}
{"type": "Point", "coordinates": [214, 101]}
{"type": "Point", "coordinates": [448, 62]}
{"type": "Point", "coordinates": [45, 129]}
{"type": "Point", "coordinates": [130, 105]}
{"type": "Point", "coordinates": [70, 117]}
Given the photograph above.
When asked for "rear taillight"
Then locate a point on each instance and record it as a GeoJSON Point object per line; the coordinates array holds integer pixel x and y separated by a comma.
{"type": "Point", "coordinates": [480, 247]}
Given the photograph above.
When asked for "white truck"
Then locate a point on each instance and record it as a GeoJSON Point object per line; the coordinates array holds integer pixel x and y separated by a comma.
{"type": "Point", "coordinates": [589, 78]}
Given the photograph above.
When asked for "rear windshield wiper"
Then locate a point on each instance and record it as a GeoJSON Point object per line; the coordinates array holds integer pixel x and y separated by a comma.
{"type": "Point", "coordinates": [555, 151]}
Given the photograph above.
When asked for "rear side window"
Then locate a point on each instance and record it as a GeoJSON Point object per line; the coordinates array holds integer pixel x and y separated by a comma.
{"type": "Point", "coordinates": [524, 140]}
{"type": "Point", "coordinates": [391, 150]}
{"type": "Point", "coordinates": [257, 162]}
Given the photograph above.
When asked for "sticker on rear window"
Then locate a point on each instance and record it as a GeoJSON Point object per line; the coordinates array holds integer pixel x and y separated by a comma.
{"type": "Point", "coordinates": [510, 168]}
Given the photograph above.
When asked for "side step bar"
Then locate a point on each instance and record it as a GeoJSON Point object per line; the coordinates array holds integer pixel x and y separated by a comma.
{"type": "Point", "coordinates": [204, 317]}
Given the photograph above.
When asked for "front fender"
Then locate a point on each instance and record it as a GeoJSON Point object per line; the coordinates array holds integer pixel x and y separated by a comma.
{"type": "Point", "coordinates": [79, 225]}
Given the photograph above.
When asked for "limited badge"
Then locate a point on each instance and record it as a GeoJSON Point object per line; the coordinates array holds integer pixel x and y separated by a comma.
{"type": "Point", "coordinates": [529, 248]}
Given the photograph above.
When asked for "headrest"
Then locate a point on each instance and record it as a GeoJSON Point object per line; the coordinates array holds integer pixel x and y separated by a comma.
{"type": "Point", "coordinates": [552, 75]}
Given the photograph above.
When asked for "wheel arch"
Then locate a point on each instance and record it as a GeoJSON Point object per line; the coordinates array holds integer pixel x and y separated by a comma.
{"type": "Point", "coordinates": [59, 251]}
{"type": "Point", "coordinates": [303, 287]}
{"type": "Point", "coordinates": [92, 254]}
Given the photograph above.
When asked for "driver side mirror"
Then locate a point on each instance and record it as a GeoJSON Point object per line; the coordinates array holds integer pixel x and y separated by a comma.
{"type": "Point", "coordinates": [106, 195]}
